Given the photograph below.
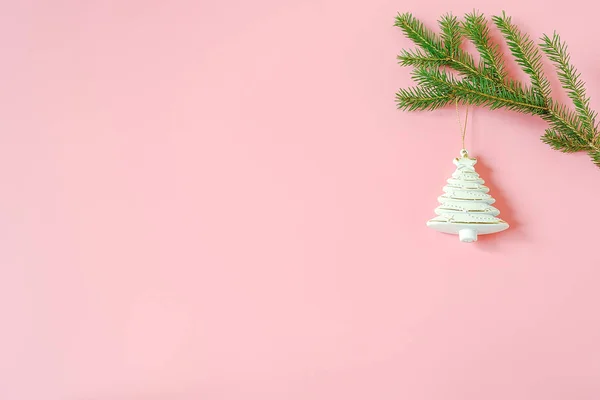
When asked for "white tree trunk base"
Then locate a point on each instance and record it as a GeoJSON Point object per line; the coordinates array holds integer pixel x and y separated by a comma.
{"type": "Point", "coordinates": [467, 235]}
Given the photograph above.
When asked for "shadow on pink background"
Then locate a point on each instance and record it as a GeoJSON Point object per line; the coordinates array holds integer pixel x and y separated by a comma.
{"type": "Point", "coordinates": [219, 200]}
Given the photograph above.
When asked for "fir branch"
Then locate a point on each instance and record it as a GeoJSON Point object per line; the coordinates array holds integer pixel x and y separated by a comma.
{"type": "Point", "coordinates": [562, 119]}
{"type": "Point", "coordinates": [564, 133]}
{"type": "Point", "coordinates": [420, 98]}
{"type": "Point", "coordinates": [475, 28]}
{"type": "Point", "coordinates": [595, 156]}
{"type": "Point", "coordinates": [451, 35]}
{"type": "Point", "coordinates": [434, 79]}
{"type": "Point", "coordinates": [423, 37]}
{"type": "Point", "coordinates": [563, 142]}
{"type": "Point", "coordinates": [416, 58]}
{"type": "Point", "coordinates": [571, 82]}
{"type": "Point", "coordinates": [478, 91]}
{"type": "Point", "coordinates": [570, 128]}
{"type": "Point", "coordinates": [526, 54]}
{"type": "Point", "coordinates": [433, 46]}
{"type": "Point", "coordinates": [487, 84]}
{"type": "Point", "coordinates": [464, 64]}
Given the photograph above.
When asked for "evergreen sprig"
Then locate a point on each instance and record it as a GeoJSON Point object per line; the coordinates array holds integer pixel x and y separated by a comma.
{"type": "Point", "coordinates": [570, 80]}
{"type": "Point", "coordinates": [423, 98]}
{"type": "Point", "coordinates": [526, 54]}
{"type": "Point", "coordinates": [475, 28]}
{"type": "Point", "coordinates": [418, 33]}
{"type": "Point", "coordinates": [487, 83]}
{"type": "Point", "coordinates": [451, 36]}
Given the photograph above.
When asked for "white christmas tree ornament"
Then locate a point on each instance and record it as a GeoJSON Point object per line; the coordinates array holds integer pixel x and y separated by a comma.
{"type": "Point", "coordinates": [466, 207]}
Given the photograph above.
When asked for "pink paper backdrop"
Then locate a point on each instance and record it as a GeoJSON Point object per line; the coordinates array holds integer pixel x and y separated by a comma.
{"type": "Point", "coordinates": [218, 200]}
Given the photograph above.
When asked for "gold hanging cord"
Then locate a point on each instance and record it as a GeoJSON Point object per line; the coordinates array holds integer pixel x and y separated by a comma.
{"type": "Point", "coordinates": [463, 128]}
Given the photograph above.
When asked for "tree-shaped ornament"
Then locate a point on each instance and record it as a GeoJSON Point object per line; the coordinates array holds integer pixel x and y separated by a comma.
{"type": "Point", "coordinates": [466, 207]}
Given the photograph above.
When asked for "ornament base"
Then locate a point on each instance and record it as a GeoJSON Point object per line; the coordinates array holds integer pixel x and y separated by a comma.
{"type": "Point", "coordinates": [467, 235]}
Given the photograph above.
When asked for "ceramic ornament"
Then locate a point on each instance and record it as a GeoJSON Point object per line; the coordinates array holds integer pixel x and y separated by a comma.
{"type": "Point", "coordinates": [466, 207]}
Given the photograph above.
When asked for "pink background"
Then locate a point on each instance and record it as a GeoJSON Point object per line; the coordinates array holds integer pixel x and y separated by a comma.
{"type": "Point", "coordinates": [219, 200]}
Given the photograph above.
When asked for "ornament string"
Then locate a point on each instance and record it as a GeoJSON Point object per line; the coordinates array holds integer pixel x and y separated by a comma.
{"type": "Point", "coordinates": [463, 128]}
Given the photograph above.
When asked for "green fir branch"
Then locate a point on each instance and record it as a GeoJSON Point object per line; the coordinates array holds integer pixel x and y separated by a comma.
{"type": "Point", "coordinates": [464, 64]}
{"type": "Point", "coordinates": [488, 85]}
{"type": "Point", "coordinates": [570, 80]}
{"type": "Point", "coordinates": [433, 46]}
{"type": "Point", "coordinates": [482, 92]}
{"type": "Point", "coordinates": [421, 98]}
{"type": "Point", "coordinates": [417, 58]}
{"type": "Point", "coordinates": [561, 118]}
{"type": "Point", "coordinates": [423, 37]}
{"type": "Point", "coordinates": [434, 79]}
{"type": "Point", "coordinates": [570, 126]}
{"type": "Point", "coordinates": [526, 54]}
{"type": "Point", "coordinates": [595, 156]}
{"type": "Point", "coordinates": [451, 35]}
{"type": "Point", "coordinates": [563, 142]}
{"type": "Point", "coordinates": [475, 28]}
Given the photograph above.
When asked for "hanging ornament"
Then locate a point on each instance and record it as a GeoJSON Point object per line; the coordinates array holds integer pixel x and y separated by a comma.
{"type": "Point", "coordinates": [466, 207]}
